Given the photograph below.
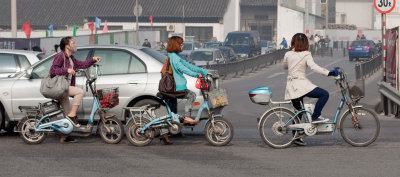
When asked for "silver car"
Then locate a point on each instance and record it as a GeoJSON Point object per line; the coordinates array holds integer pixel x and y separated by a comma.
{"type": "Point", "coordinates": [14, 61]}
{"type": "Point", "coordinates": [136, 71]}
{"type": "Point", "coordinates": [206, 56]}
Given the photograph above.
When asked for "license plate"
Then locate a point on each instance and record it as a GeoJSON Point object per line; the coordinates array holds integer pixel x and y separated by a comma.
{"type": "Point", "coordinates": [358, 48]}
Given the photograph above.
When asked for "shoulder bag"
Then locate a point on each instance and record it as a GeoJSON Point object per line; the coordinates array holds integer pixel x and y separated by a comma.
{"type": "Point", "coordinates": [167, 85]}
{"type": "Point", "coordinates": [56, 87]}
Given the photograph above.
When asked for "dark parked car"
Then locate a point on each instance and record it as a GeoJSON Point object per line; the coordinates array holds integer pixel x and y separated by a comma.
{"type": "Point", "coordinates": [362, 49]}
{"type": "Point", "coordinates": [244, 43]}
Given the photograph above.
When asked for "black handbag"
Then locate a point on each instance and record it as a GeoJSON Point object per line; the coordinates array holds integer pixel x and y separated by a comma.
{"type": "Point", "coordinates": [167, 85]}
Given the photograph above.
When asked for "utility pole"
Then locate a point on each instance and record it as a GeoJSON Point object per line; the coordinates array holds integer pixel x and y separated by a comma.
{"type": "Point", "coordinates": [306, 19]}
{"type": "Point", "coordinates": [183, 20]}
{"type": "Point", "coordinates": [326, 14]}
{"type": "Point", "coordinates": [14, 18]}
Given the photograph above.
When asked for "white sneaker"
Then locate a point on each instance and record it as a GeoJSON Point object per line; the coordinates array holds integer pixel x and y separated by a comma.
{"type": "Point", "coordinates": [319, 120]}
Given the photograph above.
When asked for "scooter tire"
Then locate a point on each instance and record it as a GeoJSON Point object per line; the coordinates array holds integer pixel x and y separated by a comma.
{"type": "Point", "coordinates": [117, 133]}
{"type": "Point", "coordinates": [28, 135]}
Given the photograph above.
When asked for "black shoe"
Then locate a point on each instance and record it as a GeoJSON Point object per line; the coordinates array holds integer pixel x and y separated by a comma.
{"type": "Point", "coordinates": [300, 142]}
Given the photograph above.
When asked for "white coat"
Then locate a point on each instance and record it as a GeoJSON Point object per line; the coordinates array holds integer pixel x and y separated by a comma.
{"type": "Point", "coordinates": [297, 83]}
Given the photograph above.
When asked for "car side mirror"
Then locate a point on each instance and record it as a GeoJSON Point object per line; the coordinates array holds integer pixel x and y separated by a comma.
{"type": "Point", "coordinates": [28, 73]}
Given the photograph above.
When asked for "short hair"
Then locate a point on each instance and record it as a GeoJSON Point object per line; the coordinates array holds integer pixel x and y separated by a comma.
{"type": "Point", "coordinates": [299, 42]}
{"type": "Point", "coordinates": [174, 44]}
{"type": "Point", "coordinates": [64, 41]}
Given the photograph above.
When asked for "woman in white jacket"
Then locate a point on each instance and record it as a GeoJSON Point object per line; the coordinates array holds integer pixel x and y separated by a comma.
{"type": "Point", "coordinates": [298, 86]}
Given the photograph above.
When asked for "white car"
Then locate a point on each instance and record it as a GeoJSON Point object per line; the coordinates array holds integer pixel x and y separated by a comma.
{"type": "Point", "coordinates": [15, 61]}
{"type": "Point", "coordinates": [136, 71]}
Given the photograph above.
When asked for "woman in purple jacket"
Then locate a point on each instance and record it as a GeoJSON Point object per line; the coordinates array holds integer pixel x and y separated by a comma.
{"type": "Point", "coordinates": [65, 64]}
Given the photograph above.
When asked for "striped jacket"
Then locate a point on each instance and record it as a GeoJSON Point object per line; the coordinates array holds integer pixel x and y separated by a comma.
{"type": "Point", "coordinates": [58, 66]}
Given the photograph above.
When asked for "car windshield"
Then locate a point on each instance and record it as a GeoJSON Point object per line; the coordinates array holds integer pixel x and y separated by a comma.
{"type": "Point", "coordinates": [155, 54]}
{"type": "Point", "coordinates": [211, 45]}
{"type": "Point", "coordinates": [237, 40]}
{"type": "Point", "coordinates": [264, 43]}
{"type": "Point", "coordinates": [187, 46]}
{"type": "Point", "coordinates": [225, 52]}
{"type": "Point", "coordinates": [202, 55]}
{"type": "Point", "coordinates": [360, 43]}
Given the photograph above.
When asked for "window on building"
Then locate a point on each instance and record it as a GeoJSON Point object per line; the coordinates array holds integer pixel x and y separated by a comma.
{"type": "Point", "coordinates": [261, 17]}
{"type": "Point", "coordinates": [201, 34]}
{"type": "Point", "coordinates": [343, 18]}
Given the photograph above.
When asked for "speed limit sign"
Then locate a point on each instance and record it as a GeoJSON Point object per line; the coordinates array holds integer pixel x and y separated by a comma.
{"type": "Point", "coordinates": [384, 6]}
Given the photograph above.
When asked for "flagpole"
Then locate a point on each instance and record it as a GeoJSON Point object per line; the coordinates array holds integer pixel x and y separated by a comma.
{"type": "Point", "coordinates": [14, 18]}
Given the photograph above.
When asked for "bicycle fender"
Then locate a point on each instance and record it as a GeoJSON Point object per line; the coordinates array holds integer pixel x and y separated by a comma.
{"type": "Point", "coordinates": [268, 112]}
{"type": "Point", "coordinates": [215, 115]}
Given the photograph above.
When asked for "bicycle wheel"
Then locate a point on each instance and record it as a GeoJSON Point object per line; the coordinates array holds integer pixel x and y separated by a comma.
{"type": "Point", "coordinates": [222, 134]}
{"type": "Point", "coordinates": [112, 130]}
{"type": "Point", "coordinates": [27, 132]}
{"type": "Point", "coordinates": [360, 130]}
{"type": "Point", "coordinates": [270, 127]}
{"type": "Point", "coordinates": [133, 132]}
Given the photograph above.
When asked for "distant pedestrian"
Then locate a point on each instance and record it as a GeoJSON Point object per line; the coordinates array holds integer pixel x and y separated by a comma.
{"type": "Point", "coordinates": [162, 46]}
{"type": "Point", "coordinates": [284, 43]}
{"type": "Point", "coordinates": [146, 43]}
{"type": "Point", "coordinates": [316, 42]}
{"type": "Point", "coordinates": [55, 50]}
{"type": "Point", "coordinates": [358, 37]}
{"type": "Point", "coordinates": [379, 46]}
{"type": "Point", "coordinates": [311, 44]}
{"type": "Point", "coordinates": [363, 37]}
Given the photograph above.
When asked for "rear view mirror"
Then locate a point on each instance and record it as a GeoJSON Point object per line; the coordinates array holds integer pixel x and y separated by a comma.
{"type": "Point", "coordinates": [28, 73]}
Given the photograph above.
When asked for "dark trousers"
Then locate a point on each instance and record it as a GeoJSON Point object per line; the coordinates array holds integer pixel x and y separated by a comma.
{"type": "Point", "coordinates": [319, 93]}
{"type": "Point", "coordinates": [173, 104]}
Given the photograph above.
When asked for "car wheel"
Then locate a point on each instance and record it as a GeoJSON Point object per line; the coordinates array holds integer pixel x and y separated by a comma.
{"type": "Point", "coordinates": [357, 59]}
{"type": "Point", "coordinates": [159, 112]}
{"type": "Point", "coordinates": [350, 59]}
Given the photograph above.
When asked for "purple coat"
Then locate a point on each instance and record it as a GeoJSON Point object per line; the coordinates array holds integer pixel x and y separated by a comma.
{"type": "Point", "coordinates": [58, 67]}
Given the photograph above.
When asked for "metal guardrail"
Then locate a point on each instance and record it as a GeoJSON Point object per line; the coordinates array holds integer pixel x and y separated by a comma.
{"type": "Point", "coordinates": [367, 68]}
{"type": "Point", "coordinates": [235, 69]}
{"type": "Point", "coordinates": [390, 98]}
{"type": "Point", "coordinates": [389, 91]}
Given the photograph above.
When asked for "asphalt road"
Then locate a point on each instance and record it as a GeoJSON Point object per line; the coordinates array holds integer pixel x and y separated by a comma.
{"type": "Point", "coordinates": [246, 155]}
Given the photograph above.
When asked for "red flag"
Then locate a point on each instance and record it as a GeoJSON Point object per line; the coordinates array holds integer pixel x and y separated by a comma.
{"type": "Point", "coordinates": [91, 26]}
{"type": "Point", "coordinates": [151, 20]}
{"type": "Point", "coordinates": [27, 28]}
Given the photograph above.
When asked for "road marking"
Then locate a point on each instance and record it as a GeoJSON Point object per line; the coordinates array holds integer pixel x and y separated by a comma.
{"type": "Point", "coordinates": [275, 74]}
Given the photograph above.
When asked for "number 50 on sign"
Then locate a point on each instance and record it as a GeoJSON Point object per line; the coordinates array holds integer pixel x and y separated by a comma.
{"type": "Point", "coordinates": [384, 6]}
